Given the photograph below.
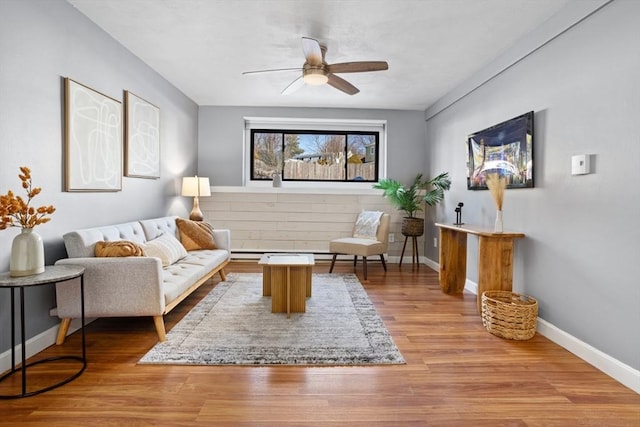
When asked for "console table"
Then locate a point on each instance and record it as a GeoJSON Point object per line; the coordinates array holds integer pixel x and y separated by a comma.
{"type": "Point", "coordinates": [495, 259]}
{"type": "Point", "coordinates": [52, 274]}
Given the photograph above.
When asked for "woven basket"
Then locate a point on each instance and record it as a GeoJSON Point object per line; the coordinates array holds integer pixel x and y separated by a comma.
{"type": "Point", "coordinates": [412, 226]}
{"type": "Point", "coordinates": [509, 315]}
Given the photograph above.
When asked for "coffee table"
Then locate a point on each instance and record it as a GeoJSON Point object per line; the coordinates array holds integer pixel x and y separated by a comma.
{"type": "Point", "coordinates": [287, 279]}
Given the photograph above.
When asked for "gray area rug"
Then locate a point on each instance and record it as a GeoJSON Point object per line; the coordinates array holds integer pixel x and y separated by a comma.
{"type": "Point", "coordinates": [233, 325]}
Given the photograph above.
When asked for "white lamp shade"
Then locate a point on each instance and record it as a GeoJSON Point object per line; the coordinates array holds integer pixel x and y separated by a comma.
{"type": "Point", "coordinates": [195, 186]}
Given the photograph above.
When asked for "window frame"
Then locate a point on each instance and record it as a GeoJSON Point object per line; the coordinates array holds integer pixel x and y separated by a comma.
{"type": "Point", "coordinates": [346, 135]}
{"type": "Point", "coordinates": [322, 126]}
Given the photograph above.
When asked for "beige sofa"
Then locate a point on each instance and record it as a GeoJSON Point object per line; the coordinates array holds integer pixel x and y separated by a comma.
{"type": "Point", "coordinates": [134, 286]}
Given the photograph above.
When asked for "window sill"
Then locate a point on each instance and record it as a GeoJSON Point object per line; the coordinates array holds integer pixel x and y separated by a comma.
{"type": "Point", "coordinates": [289, 188]}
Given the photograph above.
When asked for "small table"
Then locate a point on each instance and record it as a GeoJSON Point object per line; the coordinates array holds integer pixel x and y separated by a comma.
{"type": "Point", "coordinates": [52, 274]}
{"type": "Point", "coordinates": [287, 279]}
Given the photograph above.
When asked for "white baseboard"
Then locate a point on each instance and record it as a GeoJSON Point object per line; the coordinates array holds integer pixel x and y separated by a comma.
{"type": "Point", "coordinates": [36, 344]}
{"type": "Point", "coordinates": [617, 370]}
{"type": "Point", "coordinates": [613, 367]}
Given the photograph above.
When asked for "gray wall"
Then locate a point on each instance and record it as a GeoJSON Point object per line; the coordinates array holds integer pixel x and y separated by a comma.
{"type": "Point", "coordinates": [221, 132]}
{"type": "Point", "coordinates": [580, 258]}
{"type": "Point", "coordinates": [41, 42]}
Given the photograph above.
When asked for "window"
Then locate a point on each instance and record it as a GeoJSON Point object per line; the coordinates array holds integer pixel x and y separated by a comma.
{"type": "Point", "coordinates": [312, 152]}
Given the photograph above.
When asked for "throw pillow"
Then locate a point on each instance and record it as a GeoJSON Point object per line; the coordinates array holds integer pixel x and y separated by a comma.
{"type": "Point", "coordinates": [166, 247]}
{"type": "Point", "coordinates": [195, 235]}
{"type": "Point", "coordinates": [367, 225]}
{"type": "Point", "coordinates": [120, 248]}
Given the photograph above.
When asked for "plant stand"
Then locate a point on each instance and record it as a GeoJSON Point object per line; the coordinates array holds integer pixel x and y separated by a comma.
{"type": "Point", "coordinates": [412, 227]}
{"type": "Point", "coordinates": [414, 255]}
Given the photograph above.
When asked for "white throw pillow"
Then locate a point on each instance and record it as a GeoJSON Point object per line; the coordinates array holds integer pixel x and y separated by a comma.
{"type": "Point", "coordinates": [166, 247]}
{"type": "Point", "coordinates": [367, 225]}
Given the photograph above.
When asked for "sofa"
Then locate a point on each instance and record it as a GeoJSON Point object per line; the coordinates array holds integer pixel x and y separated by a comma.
{"type": "Point", "coordinates": [124, 286]}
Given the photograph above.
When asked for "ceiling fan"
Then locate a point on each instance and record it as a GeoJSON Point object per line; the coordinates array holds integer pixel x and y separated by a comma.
{"type": "Point", "coordinates": [316, 72]}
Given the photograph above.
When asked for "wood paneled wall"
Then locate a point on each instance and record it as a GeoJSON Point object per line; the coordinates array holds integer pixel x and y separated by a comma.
{"type": "Point", "coordinates": [290, 219]}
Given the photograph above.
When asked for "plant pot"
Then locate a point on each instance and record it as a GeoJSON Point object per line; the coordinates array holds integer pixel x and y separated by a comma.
{"type": "Point", "coordinates": [412, 227]}
{"type": "Point", "coordinates": [27, 254]}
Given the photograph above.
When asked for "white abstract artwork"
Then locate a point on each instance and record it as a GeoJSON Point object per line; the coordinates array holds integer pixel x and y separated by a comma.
{"type": "Point", "coordinates": [142, 138]}
{"type": "Point", "coordinates": [93, 140]}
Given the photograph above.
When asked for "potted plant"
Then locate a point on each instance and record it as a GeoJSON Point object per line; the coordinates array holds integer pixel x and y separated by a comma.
{"type": "Point", "coordinates": [409, 199]}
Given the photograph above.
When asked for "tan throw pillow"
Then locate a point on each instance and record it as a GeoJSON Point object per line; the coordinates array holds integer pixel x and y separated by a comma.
{"type": "Point", "coordinates": [166, 247]}
{"type": "Point", "coordinates": [195, 235]}
{"type": "Point", "coordinates": [120, 248]}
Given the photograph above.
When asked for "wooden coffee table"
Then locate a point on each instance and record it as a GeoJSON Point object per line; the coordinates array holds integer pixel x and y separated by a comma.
{"type": "Point", "coordinates": [287, 279]}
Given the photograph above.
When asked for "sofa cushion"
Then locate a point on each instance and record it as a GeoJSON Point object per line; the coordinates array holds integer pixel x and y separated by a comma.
{"type": "Point", "coordinates": [166, 247]}
{"type": "Point", "coordinates": [155, 227]}
{"type": "Point", "coordinates": [195, 235]}
{"type": "Point", "coordinates": [81, 243]}
{"type": "Point", "coordinates": [118, 249]}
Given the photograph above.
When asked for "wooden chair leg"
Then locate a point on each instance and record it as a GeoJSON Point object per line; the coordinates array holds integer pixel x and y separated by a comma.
{"type": "Point", "coordinates": [159, 322]}
{"type": "Point", "coordinates": [384, 264]}
{"type": "Point", "coordinates": [63, 329]}
{"type": "Point", "coordinates": [333, 261]}
{"type": "Point", "coordinates": [223, 275]}
{"type": "Point", "coordinates": [355, 260]}
{"type": "Point", "coordinates": [364, 266]}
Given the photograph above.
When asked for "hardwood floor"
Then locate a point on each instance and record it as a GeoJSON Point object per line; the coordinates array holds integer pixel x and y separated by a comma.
{"type": "Point", "coordinates": [457, 374]}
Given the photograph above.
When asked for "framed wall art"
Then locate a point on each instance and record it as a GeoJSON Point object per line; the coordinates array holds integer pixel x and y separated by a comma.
{"type": "Point", "coordinates": [142, 138]}
{"type": "Point", "coordinates": [505, 149]}
{"type": "Point", "coordinates": [92, 139]}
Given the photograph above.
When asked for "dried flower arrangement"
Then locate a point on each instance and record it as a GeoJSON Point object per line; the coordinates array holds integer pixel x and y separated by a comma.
{"type": "Point", "coordinates": [496, 184]}
{"type": "Point", "coordinates": [16, 212]}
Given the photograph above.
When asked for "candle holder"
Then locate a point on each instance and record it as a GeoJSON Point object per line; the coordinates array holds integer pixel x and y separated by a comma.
{"type": "Point", "coordinates": [458, 211]}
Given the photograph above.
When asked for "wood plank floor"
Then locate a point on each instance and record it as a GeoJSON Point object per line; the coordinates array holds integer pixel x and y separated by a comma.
{"type": "Point", "coordinates": [456, 374]}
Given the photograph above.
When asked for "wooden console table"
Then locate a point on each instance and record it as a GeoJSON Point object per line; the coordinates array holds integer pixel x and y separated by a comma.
{"type": "Point", "coordinates": [495, 259]}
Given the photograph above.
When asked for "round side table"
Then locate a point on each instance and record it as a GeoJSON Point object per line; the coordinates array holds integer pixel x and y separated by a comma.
{"type": "Point", "coordinates": [52, 274]}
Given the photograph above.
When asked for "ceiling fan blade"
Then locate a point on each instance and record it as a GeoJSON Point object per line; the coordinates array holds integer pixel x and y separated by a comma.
{"type": "Point", "coordinates": [293, 86]}
{"type": "Point", "coordinates": [312, 51]}
{"type": "Point", "coordinates": [358, 67]}
{"type": "Point", "coordinates": [275, 69]}
{"type": "Point", "coordinates": [341, 84]}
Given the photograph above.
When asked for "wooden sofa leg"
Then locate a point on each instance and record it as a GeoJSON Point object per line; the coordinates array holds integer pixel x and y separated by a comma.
{"type": "Point", "coordinates": [159, 322]}
{"type": "Point", "coordinates": [223, 275]}
{"type": "Point", "coordinates": [63, 329]}
{"type": "Point", "coordinates": [333, 261]}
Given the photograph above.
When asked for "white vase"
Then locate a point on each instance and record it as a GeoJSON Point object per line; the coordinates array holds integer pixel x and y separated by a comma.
{"type": "Point", "coordinates": [27, 254]}
{"type": "Point", "coordinates": [277, 180]}
{"type": "Point", "coordinates": [498, 226]}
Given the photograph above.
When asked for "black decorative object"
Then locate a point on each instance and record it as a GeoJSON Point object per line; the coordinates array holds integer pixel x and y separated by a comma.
{"type": "Point", "coordinates": [459, 214]}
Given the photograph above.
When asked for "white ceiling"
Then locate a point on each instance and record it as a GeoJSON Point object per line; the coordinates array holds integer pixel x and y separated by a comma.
{"type": "Point", "coordinates": [203, 46]}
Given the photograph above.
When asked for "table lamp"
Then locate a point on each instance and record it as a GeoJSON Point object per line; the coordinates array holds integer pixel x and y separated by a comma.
{"type": "Point", "coordinates": [195, 186]}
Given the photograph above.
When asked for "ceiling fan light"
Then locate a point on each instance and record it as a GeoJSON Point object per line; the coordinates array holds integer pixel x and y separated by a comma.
{"type": "Point", "coordinates": [315, 77]}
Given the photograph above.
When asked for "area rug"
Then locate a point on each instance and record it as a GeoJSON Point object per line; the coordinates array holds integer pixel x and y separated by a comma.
{"type": "Point", "coordinates": [233, 325]}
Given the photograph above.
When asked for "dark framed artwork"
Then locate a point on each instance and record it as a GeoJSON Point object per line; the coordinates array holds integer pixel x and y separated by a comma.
{"type": "Point", "coordinates": [505, 149]}
{"type": "Point", "coordinates": [142, 138]}
{"type": "Point", "coordinates": [92, 139]}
